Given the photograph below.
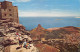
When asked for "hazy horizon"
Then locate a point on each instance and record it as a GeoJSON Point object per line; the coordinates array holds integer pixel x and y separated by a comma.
{"type": "Point", "coordinates": [46, 22]}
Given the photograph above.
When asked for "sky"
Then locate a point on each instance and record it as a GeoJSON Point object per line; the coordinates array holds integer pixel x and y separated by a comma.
{"type": "Point", "coordinates": [47, 8]}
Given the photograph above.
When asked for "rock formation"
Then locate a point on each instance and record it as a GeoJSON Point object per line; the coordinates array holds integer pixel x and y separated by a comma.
{"type": "Point", "coordinates": [38, 32]}
{"type": "Point", "coordinates": [39, 27]}
{"type": "Point", "coordinates": [65, 39]}
{"type": "Point", "coordinates": [8, 41]}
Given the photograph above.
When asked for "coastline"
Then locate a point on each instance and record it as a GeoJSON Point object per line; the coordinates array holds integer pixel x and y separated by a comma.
{"type": "Point", "coordinates": [47, 22]}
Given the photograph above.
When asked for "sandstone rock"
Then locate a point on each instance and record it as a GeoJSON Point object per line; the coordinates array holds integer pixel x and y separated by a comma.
{"type": "Point", "coordinates": [12, 48]}
{"type": "Point", "coordinates": [25, 36]}
{"type": "Point", "coordinates": [8, 39]}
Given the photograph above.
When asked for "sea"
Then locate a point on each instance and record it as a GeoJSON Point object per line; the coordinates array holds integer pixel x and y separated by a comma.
{"type": "Point", "coordinates": [49, 22]}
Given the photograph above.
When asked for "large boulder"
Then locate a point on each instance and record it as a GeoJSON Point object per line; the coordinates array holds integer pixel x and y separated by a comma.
{"type": "Point", "coordinates": [12, 48]}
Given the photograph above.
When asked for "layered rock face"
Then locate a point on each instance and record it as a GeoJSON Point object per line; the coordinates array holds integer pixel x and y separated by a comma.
{"type": "Point", "coordinates": [8, 41]}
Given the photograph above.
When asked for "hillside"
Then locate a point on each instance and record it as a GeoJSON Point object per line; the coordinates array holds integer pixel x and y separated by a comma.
{"type": "Point", "coordinates": [46, 48]}
{"type": "Point", "coordinates": [9, 41]}
{"type": "Point", "coordinates": [65, 39]}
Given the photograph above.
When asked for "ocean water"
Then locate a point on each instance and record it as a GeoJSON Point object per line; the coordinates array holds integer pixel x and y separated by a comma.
{"type": "Point", "coordinates": [49, 22]}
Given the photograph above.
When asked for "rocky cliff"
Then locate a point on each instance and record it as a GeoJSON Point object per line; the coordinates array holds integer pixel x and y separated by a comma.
{"type": "Point", "coordinates": [8, 41]}
{"type": "Point", "coordinates": [38, 32]}
{"type": "Point", "coordinates": [66, 39]}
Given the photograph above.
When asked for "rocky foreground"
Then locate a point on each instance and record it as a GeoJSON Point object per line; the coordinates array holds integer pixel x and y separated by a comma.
{"type": "Point", "coordinates": [8, 41]}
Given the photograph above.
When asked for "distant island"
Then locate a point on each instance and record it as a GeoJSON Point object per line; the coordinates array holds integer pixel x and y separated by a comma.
{"type": "Point", "coordinates": [77, 17]}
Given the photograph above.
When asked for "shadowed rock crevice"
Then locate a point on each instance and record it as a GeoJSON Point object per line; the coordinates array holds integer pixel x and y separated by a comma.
{"type": "Point", "coordinates": [8, 37]}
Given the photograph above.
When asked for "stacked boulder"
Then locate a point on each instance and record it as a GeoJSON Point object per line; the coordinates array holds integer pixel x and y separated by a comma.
{"type": "Point", "coordinates": [8, 41]}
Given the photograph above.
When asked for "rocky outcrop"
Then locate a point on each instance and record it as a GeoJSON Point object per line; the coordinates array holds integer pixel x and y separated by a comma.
{"type": "Point", "coordinates": [65, 39]}
{"type": "Point", "coordinates": [11, 27]}
{"type": "Point", "coordinates": [39, 27]}
{"type": "Point", "coordinates": [8, 38]}
{"type": "Point", "coordinates": [38, 32]}
{"type": "Point", "coordinates": [12, 48]}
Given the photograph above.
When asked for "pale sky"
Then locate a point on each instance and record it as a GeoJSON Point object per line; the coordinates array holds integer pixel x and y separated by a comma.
{"type": "Point", "coordinates": [47, 8]}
